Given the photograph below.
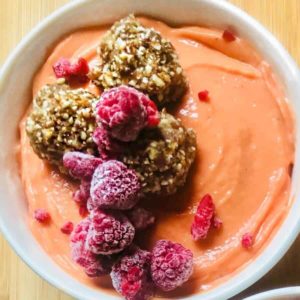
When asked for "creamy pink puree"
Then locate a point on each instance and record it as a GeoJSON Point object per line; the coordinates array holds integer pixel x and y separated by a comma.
{"type": "Point", "coordinates": [245, 148]}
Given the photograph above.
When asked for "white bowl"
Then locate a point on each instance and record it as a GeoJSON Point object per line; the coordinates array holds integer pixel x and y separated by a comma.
{"type": "Point", "coordinates": [288, 293]}
{"type": "Point", "coordinates": [15, 81]}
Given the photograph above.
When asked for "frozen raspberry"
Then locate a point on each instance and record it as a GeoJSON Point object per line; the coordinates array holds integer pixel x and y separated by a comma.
{"type": "Point", "coordinates": [82, 195]}
{"type": "Point", "coordinates": [108, 147]}
{"type": "Point", "coordinates": [67, 228]}
{"type": "Point", "coordinates": [81, 165]}
{"type": "Point", "coordinates": [41, 215]}
{"type": "Point", "coordinates": [94, 265]}
{"type": "Point", "coordinates": [76, 72]}
{"type": "Point", "coordinates": [203, 218]}
{"type": "Point", "coordinates": [140, 218]}
{"type": "Point", "coordinates": [152, 112]}
{"type": "Point", "coordinates": [131, 275]}
{"type": "Point", "coordinates": [228, 36]}
{"type": "Point", "coordinates": [171, 265]}
{"type": "Point", "coordinates": [114, 186]}
{"type": "Point", "coordinates": [110, 232]}
{"type": "Point", "coordinates": [203, 95]}
{"type": "Point", "coordinates": [123, 111]}
{"type": "Point", "coordinates": [247, 240]}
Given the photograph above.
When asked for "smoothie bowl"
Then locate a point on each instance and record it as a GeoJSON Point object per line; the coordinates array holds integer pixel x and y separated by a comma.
{"type": "Point", "coordinates": [154, 154]}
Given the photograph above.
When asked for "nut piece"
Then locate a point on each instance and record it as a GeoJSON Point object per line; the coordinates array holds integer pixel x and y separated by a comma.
{"type": "Point", "coordinates": [140, 57]}
{"type": "Point", "coordinates": [162, 156]}
{"type": "Point", "coordinates": [61, 120]}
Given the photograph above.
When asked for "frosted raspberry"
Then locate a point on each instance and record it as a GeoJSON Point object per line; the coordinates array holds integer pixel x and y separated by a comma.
{"type": "Point", "coordinates": [228, 36]}
{"type": "Point", "coordinates": [247, 240]}
{"type": "Point", "coordinates": [94, 265]}
{"type": "Point", "coordinates": [203, 218]}
{"type": "Point", "coordinates": [82, 195]}
{"type": "Point", "coordinates": [203, 95]}
{"type": "Point", "coordinates": [110, 232]}
{"type": "Point", "coordinates": [67, 228]}
{"type": "Point", "coordinates": [81, 165]}
{"type": "Point", "coordinates": [41, 215]}
{"type": "Point", "coordinates": [123, 111]}
{"type": "Point", "coordinates": [171, 265]}
{"type": "Point", "coordinates": [140, 218]}
{"type": "Point", "coordinates": [131, 275]}
{"type": "Point", "coordinates": [114, 186]}
{"type": "Point", "coordinates": [108, 147]}
{"type": "Point", "coordinates": [152, 112]}
{"type": "Point", "coordinates": [76, 72]}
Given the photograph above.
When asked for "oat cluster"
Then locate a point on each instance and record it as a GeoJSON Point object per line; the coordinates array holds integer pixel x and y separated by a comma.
{"type": "Point", "coordinates": [139, 57]}
{"type": "Point", "coordinates": [61, 120]}
{"type": "Point", "coordinates": [162, 156]}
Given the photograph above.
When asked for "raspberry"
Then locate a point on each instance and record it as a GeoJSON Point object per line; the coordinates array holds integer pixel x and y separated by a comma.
{"type": "Point", "coordinates": [108, 147]}
{"type": "Point", "coordinates": [228, 36]}
{"type": "Point", "coordinates": [203, 218]}
{"type": "Point", "coordinates": [123, 111]}
{"type": "Point", "coordinates": [171, 265]}
{"type": "Point", "coordinates": [203, 95]}
{"type": "Point", "coordinates": [247, 240]}
{"type": "Point", "coordinates": [152, 112]}
{"type": "Point", "coordinates": [81, 165]}
{"type": "Point", "coordinates": [82, 195]}
{"type": "Point", "coordinates": [110, 232]}
{"type": "Point", "coordinates": [114, 186]}
{"type": "Point", "coordinates": [67, 228]}
{"type": "Point", "coordinates": [76, 72]}
{"type": "Point", "coordinates": [140, 218]}
{"type": "Point", "coordinates": [94, 265]}
{"type": "Point", "coordinates": [41, 215]}
{"type": "Point", "coordinates": [131, 275]}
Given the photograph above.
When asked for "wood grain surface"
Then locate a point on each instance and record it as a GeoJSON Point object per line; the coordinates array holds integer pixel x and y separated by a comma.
{"type": "Point", "coordinates": [17, 17]}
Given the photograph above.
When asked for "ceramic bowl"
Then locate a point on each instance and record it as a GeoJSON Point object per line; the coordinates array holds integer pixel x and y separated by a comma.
{"type": "Point", "coordinates": [288, 293]}
{"type": "Point", "coordinates": [15, 81]}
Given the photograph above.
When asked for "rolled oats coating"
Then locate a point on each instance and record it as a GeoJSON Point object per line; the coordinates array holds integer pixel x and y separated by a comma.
{"type": "Point", "coordinates": [61, 120]}
{"type": "Point", "coordinates": [162, 156]}
{"type": "Point", "coordinates": [140, 57]}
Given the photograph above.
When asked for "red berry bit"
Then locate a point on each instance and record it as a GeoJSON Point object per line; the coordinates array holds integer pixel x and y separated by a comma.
{"type": "Point", "coordinates": [131, 275]}
{"type": "Point", "coordinates": [110, 232]}
{"type": "Point", "coordinates": [171, 265]}
{"type": "Point", "coordinates": [94, 265]}
{"type": "Point", "coordinates": [41, 215]}
{"type": "Point", "coordinates": [140, 218]}
{"type": "Point", "coordinates": [228, 36]}
{"type": "Point", "coordinates": [82, 195]}
{"type": "Point", "coordinates": [203, 218]}
{"type": "Point", "coordinates": [81, 165]}
{"type": "Point", "coordinates": [76, 72]}
{"type": "Point", "coordinates": [217, 222]}
{"type": "Point", "coordinates": [203, 96]}
{"type": "Point", "coordinates": [108, 147]}
{"type": "Point", "coordinates": [67, 228]}
{"type": "Point", "coordinates": [247, 240]}
{"type": "Point", "coordinates": [114, 186]}
{"type": "Point", "coordinates": [124, 112]}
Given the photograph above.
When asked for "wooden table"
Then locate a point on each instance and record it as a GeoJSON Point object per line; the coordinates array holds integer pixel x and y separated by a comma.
{"type": "Point", "coordinates": [17, 17]}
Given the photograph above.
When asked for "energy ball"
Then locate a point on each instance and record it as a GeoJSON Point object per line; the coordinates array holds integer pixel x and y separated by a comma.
{"type": "Point", "coordinates": [162, 156]}
{"type": "Point", "coordinates": [134, 55]}
{"type": "Point", "coordinates": [61, 120]}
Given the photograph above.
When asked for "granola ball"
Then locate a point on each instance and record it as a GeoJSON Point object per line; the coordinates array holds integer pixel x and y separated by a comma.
{"type": "Point", "coordinates": [134, 55]}
{"type": "Point", "coordinates": [61, 120]}
{"type": "Point", "coordinates": [162, 156]}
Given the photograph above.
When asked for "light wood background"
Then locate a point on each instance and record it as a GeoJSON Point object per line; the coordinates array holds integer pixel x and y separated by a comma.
{"type": "Point", "coordinates": [17, 17]}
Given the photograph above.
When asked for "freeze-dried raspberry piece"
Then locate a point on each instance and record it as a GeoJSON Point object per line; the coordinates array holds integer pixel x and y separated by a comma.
{"type": "Point", "coordinates": [110, 232]}
{"type": "Point", "coordinates": [81, 165]}
{"type": "Point", "coordinates": [171, 265]}
{"type": "Point", "coordinates": [123, 111]}
{"type": "Point", "coordinates": [41, 215]}
{"type": "Point", "coordinates": [203, 95]}
{"type": "Point", "coordinates": [140, 218]}
{"type": "Point", "coordinates": [82, 195]}
{"type": "Point", "coordinates": [108, 147]}
{"type": "Point", "coordinates": [228, 36]}
{"type": "Point", "coordinates": [76, 72]}
{"type": "Point", "coordinates": [247, 240]}
{"type": "Point", "coordinates": [131, 275]}
{"type": "Point", "coordinates": [67, 228]}
{"type": "Point", "coordinates": [203, 218]}
{"type": "Point", "coordinates": [114, 186]}
{"type": "Point", "coordinates": [94, 265]}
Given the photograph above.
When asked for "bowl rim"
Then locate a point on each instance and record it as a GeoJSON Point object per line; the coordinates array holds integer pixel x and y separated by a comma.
{"type": "Point", "coordinates": [274, 256]}
{"type": "Point", "coordinates": [287, 291]}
